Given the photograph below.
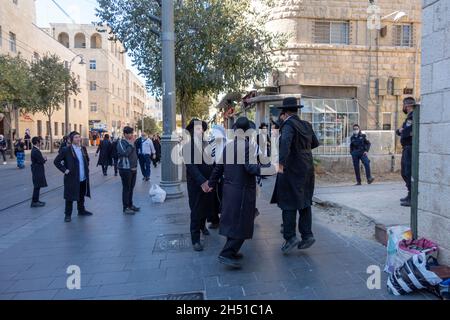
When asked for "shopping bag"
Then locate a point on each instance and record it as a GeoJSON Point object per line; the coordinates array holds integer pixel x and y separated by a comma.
{"type": "Point", "coordinates": [409, 248]}
{"type": "Point", "coordinates": [157, 194]}
{"type": "Point", "coordinates": [395, 235]}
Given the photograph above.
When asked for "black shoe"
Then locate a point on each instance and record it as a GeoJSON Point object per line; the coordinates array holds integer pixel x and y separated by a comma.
{"type": "Point", "coordinates": [371, 180]}
{"type": "Point", "coordinates": [407, 198]}
{"type": "Point", "coordinates": [238, 256]}
{"type": "Point", "coordinates": [135, 209]}
{"type": "Point", "coordinates": [129, 211]}
{"type": "Point", "coordinates": [67, 218]}
{"type": "Point", "coordinates": [289, 245]}
{"type": "Point", "coordinates": [85, 213]}
{"type": "Point", "coordinates": [306, 244]}
{"type": "Point", "coordinates": [206, 232]}
{"type": "Point", "coordinates": [116, 174]}
{"type": "Point", "coordinates": [229, 262]}
{"type": "Point", "coordinates": [406, 203]}
{"type": "Point", "coordinates": [214, 226]}
{"type": "Point", "coordinates": [198, 246]}
{"type": "Point", "coordinates": [37, 204]}
{"type": "Point", "coordinates": [358, 184]}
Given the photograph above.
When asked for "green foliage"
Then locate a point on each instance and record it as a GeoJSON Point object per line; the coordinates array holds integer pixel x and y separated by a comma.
{"type": "Point", "coordinates": [221, 45]}
{"type": "Point", "coordinates": [151, 126]}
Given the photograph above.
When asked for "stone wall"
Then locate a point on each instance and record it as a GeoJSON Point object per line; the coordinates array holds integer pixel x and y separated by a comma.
{"type": "Point", "coordinates": [434, 179]}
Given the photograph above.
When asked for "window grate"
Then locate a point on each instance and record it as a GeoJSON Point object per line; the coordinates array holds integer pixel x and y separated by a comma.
{"type": "Point", "coordinates": [331, 32]}
{"type": "Point", "coordinates": [403, 35]}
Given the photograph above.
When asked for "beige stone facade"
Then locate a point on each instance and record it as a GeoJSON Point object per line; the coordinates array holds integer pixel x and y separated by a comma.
{"type": "Point", "coordinates": [331, 53]}
{"type": "Point", "coordinates": [136, 95]}
{"type": "Point", "coordinates": [20, 35]}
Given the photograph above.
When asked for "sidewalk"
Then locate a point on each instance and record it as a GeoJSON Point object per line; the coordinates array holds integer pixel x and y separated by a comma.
{"type": "Point", "coordinates": [149, 255]}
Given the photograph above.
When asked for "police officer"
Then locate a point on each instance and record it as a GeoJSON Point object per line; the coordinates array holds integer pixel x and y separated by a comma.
{"type": "Point", "coordinates": [406, 139]}
{"type": "Point", "coordinates": [359, 147]}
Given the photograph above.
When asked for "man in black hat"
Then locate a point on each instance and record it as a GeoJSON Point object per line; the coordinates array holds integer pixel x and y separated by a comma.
{"type": "Point", "coordinates": [406, 139]}
{"type": "Point", "coordinates": [73, 161]}
{"type": "Point", "coordinates": [197, 174]}
{"type": "Point", "coordinates": [294, 187]}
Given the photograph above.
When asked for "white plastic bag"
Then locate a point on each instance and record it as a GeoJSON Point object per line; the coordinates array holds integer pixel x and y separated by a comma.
{"type": "Point", "coordinates": [157, 194]}
{"type": "Point", "coordinates": [395, 235]}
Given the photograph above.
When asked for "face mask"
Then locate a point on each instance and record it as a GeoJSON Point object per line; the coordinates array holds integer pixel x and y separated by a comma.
{"type": "Point", "coordinates": [355, 132]}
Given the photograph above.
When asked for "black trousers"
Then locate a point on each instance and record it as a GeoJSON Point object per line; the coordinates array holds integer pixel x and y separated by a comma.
{"type": "Point", "coordinates": [116, 163]}
{"type": "Point", "coordinates": [198, 223]}
{"type": "Point", "coordinates": [232, 247]}
{"type": "Point", "coordinates": [141, 160]}
{"type": "Point", "coordinates": [304, 223]}
{"type": "Point", "coordinates": [80, 202]}
{"type": "Point", "coordinates": [357, 157]}
{"type": "Point", "coordinates": [128, 183]}
{"type": "Point", "coordinates": [2, 152]}
{"type": "Point", "coordinates": [36, 192]}
{"type": "Point", "coordinates": [105, 169]}
{"type": "Point", "coordinates": [407, 166]}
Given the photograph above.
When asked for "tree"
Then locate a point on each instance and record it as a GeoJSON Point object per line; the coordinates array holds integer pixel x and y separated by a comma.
{"type": "Point", "coordinates": [150, 126]}
{"type": "Point", "coordinates": [51, 77]}
{"type": "Point", "coordinates": [199, 107]}
{"type": "Point", "coordinates": [221, 45]}
{"type": "Point", "coordinates": [17, 90]}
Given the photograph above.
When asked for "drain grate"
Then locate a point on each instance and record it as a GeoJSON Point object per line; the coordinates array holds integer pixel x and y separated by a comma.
{"type": "Point", "coordinates": [192, 296]}
{"type": "Point", "coordinates": [172, 242]}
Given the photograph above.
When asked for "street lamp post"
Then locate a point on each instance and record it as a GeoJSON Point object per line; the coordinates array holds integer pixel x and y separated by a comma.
{"type": "Point", "coordinates": [68, 66]}
{"type": "Point", "coordinates": [170, 180]}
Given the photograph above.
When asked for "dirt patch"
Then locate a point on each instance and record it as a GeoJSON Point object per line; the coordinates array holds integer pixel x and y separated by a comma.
{"type": "Point", "coordinates": [329, 178]}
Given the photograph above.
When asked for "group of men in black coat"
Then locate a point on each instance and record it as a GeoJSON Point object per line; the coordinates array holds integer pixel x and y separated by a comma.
{"type": "Point", "coordinates": [239, 168]}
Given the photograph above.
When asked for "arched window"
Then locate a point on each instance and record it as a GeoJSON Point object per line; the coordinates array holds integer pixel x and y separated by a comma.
{"type": "Point", "coordinates": [96, 41]}
{"type": "Point", "coordinates": [80, 40]}
{"type": "Point", "coordinates": [63, 38]}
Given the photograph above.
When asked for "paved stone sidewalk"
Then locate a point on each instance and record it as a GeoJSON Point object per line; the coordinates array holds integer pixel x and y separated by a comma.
{"type": "Point", "coordinates": [148, 255]}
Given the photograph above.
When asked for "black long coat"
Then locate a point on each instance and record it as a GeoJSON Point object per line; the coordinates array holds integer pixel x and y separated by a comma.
{"type": "Point", "coordinates": [200, 203]}
{"type": "Point", "coordinates": [67, 160]}
{"type": "Point", "coordinates": [105, 150]}
{"type": "Point", "coordinates": [239, 191]}
{"type": "Point", "coordinates": [38, 168]}
{"type": "Point", "coordinates": [294, 189]}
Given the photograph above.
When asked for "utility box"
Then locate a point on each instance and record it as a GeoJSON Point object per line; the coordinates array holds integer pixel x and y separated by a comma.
{"type": "Point", "coordinates": [397, 87]}
{"type": "Point", "coordinates": [382, 86]}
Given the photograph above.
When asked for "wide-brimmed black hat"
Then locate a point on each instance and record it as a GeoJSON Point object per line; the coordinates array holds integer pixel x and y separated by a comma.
{"type": "Point", "coordinates": [193, 122]}
{"type": "Point", "coordinates": [242, 123]}
{"type": "Point", "coordinates": [410, 101]}
{"type": "Point", "coordinates": [290, 103]}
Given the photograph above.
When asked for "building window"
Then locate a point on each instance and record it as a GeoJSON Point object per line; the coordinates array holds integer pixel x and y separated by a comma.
{"type": "Point", "coordinates": [93, 85]}
{"type": "Point", "coordinates": [93, 64]}
{"type": "Point", "coordinates": [80, 105]}
{"type": "Point", "coordinates": [39, 128]}
{"type": "Point", "coordinates": [47, 128]}
{"type": "Point", "coordinates": [56, 129]}
{"type": "Point", "coordinates": [331, 32]}
{"type": "Point", "coordinates": [12, 42]}
{"type": "Point", "coordinates": [387, 121]}
{"type": "Point", "coordinates": [403, 35]}
{"type": "Point", "coordinates": [16, 2]}
{"type": "Point", "coordinates": [74, 103]}
{"type": "Point", "coordinates": [93, 107]}
{"type": "Point", "coordinates": [75, 127]}
{"type": "Point", "coordinates": [81, 130]}
{"type": "Point", "coordinates": [63, 128]}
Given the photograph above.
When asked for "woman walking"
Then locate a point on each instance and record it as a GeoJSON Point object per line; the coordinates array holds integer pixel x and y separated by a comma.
{"type": "Point", "coordinates": [105, 158]}
{"type": "Point", "coordinates": [19, 152]}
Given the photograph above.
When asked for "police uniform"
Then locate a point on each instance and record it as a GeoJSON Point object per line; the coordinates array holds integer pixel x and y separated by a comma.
{"type": "Point", "coordinates": [406, 139]}
{"type": "Point", "coordinates": [359, 145]}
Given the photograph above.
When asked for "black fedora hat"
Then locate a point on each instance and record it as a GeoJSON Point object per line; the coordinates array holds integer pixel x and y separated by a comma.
{"type": "Point", "coordinates": [193, 122]}
{"type": "Point", "coordinates": [290, 103]}
{"type": "Point", "coordinates": [242, 123]}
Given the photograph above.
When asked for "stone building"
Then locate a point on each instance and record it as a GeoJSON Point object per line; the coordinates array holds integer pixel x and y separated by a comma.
{"type": "Point", "coordinates": [344, 71]}
{"type": "Point", "coordinates": [19, 34]}
{"type": "Point", "coordinates": [136, 98]}
{"type": "Point", "coordinates": [434, 162]}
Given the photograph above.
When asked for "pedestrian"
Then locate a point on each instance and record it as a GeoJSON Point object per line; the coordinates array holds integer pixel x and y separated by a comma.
{"type": "Point", "coordinates": [148, 153]}
{"type": "Point", "coordinates": [239, 168]}
{"type": "Point", "coordinates": [157, 145]}
{"type": "Point", "coordinates": [197, 173]}
{"type": "Point", "coordinates": [105, 158]}
{"type": "Point", "coordinates": [406, 139]}
{"type": "Point", "coordinates": [94, 138]}
{"type": "Point", "coordinates": [217, 142]}
{"type": "Point", "coordinates": [73, 161]}
{"type": "Point", "coordinates": [64, 143]}
{"type": "Point", "coordinates": [19, 152]}
{"type": "Point", "coordinates": [3, 148]}
{"type": "Point", "coordinates": [138, 147]}
{"type": "Point", "coordinates": [27, 139]}
{"type": "Point", "coordinates": [127, 164]}
{"type": "Point", "coordinates": [114, 156]}
{"type": "Point", "coordinates": [294, 187]}
{"type": "Point", "coordinates": [38, 172]}
{"type": "Point", "coordinates": [359, 149]}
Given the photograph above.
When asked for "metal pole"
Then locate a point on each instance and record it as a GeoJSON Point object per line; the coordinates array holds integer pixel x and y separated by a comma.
{"type": "Point", "coordinates": [66, 103]}
{"type": "Point", "coordinates": [170, 180]}
{"type": "Point", "coordinates": [415, 173]}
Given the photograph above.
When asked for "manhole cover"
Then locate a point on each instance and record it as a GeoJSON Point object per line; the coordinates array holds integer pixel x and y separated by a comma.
{"type": "Point", "coordinates": [172, 219]}
{"type": "Point", "coordinates": [172, 242]}
{"type": "Point", "coordinates": [177, 296]}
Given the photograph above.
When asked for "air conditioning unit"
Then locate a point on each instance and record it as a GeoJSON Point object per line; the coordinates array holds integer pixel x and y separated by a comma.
{"type": "Point", "coordinates": [397, 87]}
{"type": "Point", "coordinates": [381, 87]}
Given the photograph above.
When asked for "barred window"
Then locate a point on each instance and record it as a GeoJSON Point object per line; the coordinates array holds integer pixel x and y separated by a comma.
{"type": "Point", "coordinates": [331, 32]}
{"type": "Point", "coordinates": [403, 35]}
{"type": "Point", "coordinates": [93, 107]}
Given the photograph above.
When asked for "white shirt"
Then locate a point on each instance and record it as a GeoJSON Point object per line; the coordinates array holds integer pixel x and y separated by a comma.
{"type": "Point", "coordinates": [80, 157]}
{"type": "Point", "coordinates": [148, 147]}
